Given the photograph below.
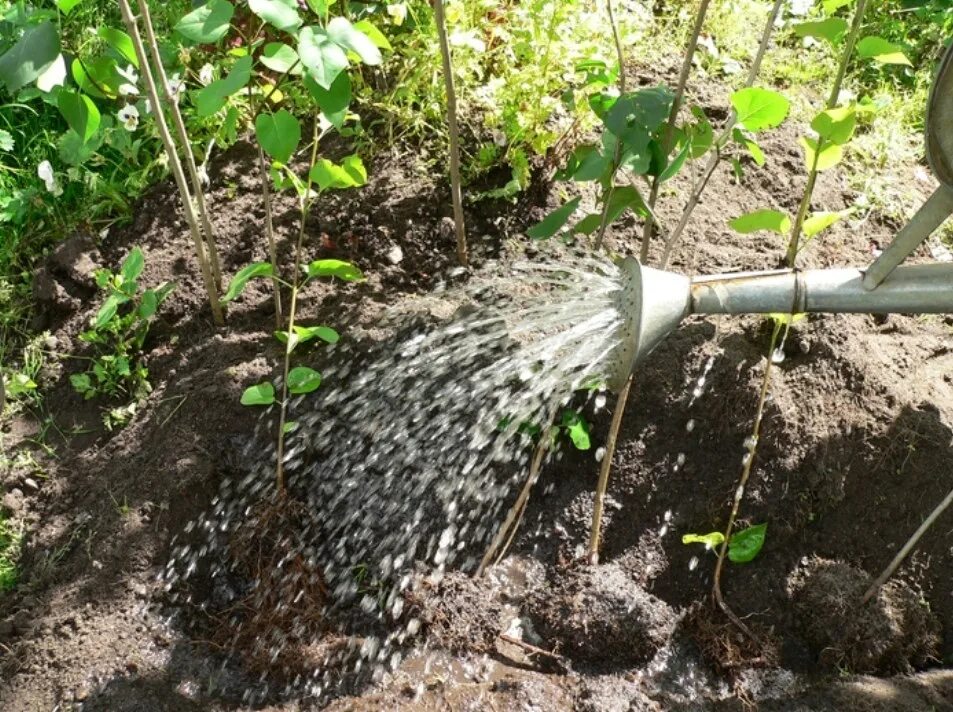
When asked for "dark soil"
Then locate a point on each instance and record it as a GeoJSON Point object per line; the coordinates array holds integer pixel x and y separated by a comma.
{"type": "Point", "coordinates": [854, 453]}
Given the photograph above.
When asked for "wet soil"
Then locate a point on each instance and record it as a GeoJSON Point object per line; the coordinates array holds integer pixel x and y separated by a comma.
{"type": "Point", "coordinates": [854, 453]}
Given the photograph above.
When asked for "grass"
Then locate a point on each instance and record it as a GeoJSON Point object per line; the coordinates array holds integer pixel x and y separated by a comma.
{"type": "Point", "coordinates": [10, 539]}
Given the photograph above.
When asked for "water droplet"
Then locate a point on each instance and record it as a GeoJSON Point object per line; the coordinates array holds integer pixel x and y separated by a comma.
{"type": "Point", "coordinates": [777, 355]}
{"type": "Point", "coordinates": [690, 425]}
{"type": "Point", "coordinates": [600, 453]}
{"type": "Point", "coordinates": [680, 460]}
{"type": "Point", "coordinates": [693, 563]}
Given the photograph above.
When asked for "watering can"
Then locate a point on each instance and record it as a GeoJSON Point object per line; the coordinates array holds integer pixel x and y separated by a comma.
{"type": "Point", "coordinates": [655, 302]}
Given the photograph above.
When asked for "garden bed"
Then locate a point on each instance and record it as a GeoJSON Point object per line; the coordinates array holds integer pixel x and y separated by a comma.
{"type": "Point", "coordinates": [854, 454]}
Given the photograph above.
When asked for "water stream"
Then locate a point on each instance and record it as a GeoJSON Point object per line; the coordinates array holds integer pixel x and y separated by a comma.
{"type": "Point", "coordinates": [410, 454]}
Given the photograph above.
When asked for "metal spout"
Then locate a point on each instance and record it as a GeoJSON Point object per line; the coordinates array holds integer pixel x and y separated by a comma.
{"type": "Point", "coordinates": [656, 302]}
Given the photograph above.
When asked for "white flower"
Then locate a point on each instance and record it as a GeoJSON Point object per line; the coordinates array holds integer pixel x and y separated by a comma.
{"type": "Point", "coordinates": [128, 90]}
{"type": "Point", "coordinates": [176, 87]}
{"type": "Point", "coordinates": [147, 105]}
{"type": "Point", "coordinates": [129, 116]}
{"type": "Point", "coordinates": [129, 74]}
{"type": "Point", "coordinates": [206, 74]}
{"type": "Point", "coordinates": [397, 13]}
{"type": "Point", "coordinates": [45, 172]}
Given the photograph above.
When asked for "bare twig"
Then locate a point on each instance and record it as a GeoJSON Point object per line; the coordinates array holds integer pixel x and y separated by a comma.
{"type": "Point", "coordinates": [456, 188]}
{"type": "Point", "coordinates": [511, 523]}
{"type": "Point", "coordinates": [175, 164]}
{"type": "Point", "coordinates": [605, 467]}
{"type": "Point", "coordinates": [848, 50]}
{"type": "Point", "coordinates": [184, 143]}
{"type": "Point", "coordinates": [649, 229]}
{"type": "Point", "coordinates": [533, 649]}
{"type": "Point", "coordinates": [740, 493]}
{"type": "Point", "coordinates": [617, 152]}
{"type": "Point", "coordinates": [715, 158]}
{"type": "Point", "coordinates": [907, 548]}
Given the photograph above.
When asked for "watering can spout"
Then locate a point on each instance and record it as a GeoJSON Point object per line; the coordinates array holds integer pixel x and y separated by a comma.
{"type": "Point", "coordinates": [654, 302]}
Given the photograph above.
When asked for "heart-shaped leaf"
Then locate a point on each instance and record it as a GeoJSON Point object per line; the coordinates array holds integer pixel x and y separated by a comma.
{"type": "Point", "coordinates": [328, 175]}
{"type": "Point", "coordinates": [26, 60]}
{"type": "Point", "coordinates": [772, 220]}
{"type": "Point", "coordinates": [820, 156]}
{"type": "Point", "coordinates": [208, 23]}
{"type": "Point", "coordinates": [213, 97]}
{"type": "Point", "coordinates": [333, 102]}
{"type": "Point", "coordinates": [279, 57]}
{"type": "Point", "coordinates": [322, 57]}
{"type": "Point", "coordinates": [260, 394]}
{"type": "Point", "coordinates": [80, 113]}
{"type": "Point", "coordinates": [349, 37]}
{"type": "Point", "coordinates": [836, 125]}
{"type": "Point", "coordinates": [278, 134]}
{"type": "Point", "coordinates": [746, 544]}
{"type": "Point", "coordinates": [277, 13]}
{"type": "Point", "coordinates": [759, 109]}
{"type": "Point", "coordinates": [882, 51]}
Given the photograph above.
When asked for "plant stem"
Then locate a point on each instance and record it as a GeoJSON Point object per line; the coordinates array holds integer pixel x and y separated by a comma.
{"type": "Point", "coordinates": [269, 220]}
{"type": "Point", "coordinates": [617, 151]}
{"type": "Point", "coordinates": [740, 491]}
{"type": "Point", "coordinates": [598, 504]}
{"type": "Point", "coordinates": [456, 189]}
{"type": "Point", "coordinates": [133, 29]}
{"type": "Point", "coordinates": [848, 51]}
{"type": "Point", "coordinates": [289, 343]}
{"type": "Point", "coordinates": [184, 143]}
{"type": "Point", "coordinates": [715, 158]}
{"type": "Point", "coordinates": [649, 230]}
{"type": "Point", "coordinates": [907, 548]}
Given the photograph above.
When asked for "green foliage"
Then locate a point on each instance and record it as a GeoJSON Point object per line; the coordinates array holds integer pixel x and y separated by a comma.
{"type": "Point", "coordinates": [743, 546]}
{"type": "Point", "coordinates": [759, 109]}
{"type": "Point", "coordinates": [118, 335]}
{"type": "Point", "coordinates": [576, 428]}
{"type": "Point", "coordinates": [10, 540]}
{"type": "Point", "coordinates": [771, 220]}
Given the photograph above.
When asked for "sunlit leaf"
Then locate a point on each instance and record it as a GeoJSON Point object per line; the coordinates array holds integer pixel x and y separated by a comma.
{"type": "Point", "coordinates": [828, 156]}
{"type": "Point", "coordinates": [333, 102]}
{"type": "Point", "coordinates": [260, 394]}
{"type": "Point", "coordinates": [759, 109]}
{"type": "Point", "coordinates": [133, 265]}
{"type": "Point", "coordinates": [710, 540]}
{"type": "Point", "coordinates": [346, 35]}
{"type": "Point", "coordinates": [771, 220]}
{"type": "Point", "coordinates": [257, 269]}
{"type": "Point", "coordinates": [277, 13]}
{"type": "Point", "coordinates": [279, 57]}
{"type": "Point", "coordinates": [375, 35]}
{"type": "Point", "coordinates": [819, 222]}
{"type": "Point", "coordinates": [80, 113]}
{"type": "Point", "coordinates": [349, 174]}
{"type": "Point", "coordinates": [577, 428]}
{"type": "Point", "coordinates": [30, 56]}
{"type": "Point", "coordinates": [278, 134]}
{"type": "Point", "coordinates": [334, 268]}
{"type": "Point", "coordinates": [322, 57]}
{"type": "Point", "coordinates": [835, 125]}
{"type": "Point", "coordinates": [555, 221]}
{"type": "Point", "coordinates": [832, 29]}
{"type": "Point", "coordinates": [121, 42]}
{"type": "Point", "coordinates": [882, 51]}
{"type": "Point", "coordinates": [213, 97]}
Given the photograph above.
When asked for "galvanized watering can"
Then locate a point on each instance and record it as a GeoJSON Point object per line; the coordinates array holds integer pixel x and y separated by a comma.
{"type": "Point", "coordinates": [655, 301]}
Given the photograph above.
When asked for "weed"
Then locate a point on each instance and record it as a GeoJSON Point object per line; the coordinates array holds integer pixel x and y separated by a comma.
{"type": "Point", "coordinates": [118, 334]}
{"type": "Point", "coordinates": [10, 539]}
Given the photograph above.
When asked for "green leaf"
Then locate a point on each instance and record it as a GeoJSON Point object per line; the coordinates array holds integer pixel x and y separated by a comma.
{"type": "Point", "coordinates": [74, 151]}
{"type": "Point", "coordinates": [80, 113]}
{"type": "Point", "coordinates": [309, 333]}
{"type": "Point", "coordinates": [702, 134]}
{"type": "Point", "coordinates": [830, 154]}
{"type": "Point", "coordinates": [237, 285]}
{"type": "Point", "coordinates": [6, 140]}
{"type": "Point", "coordinates": [289, 426]}
{"type": "Point", "coordinates": [328, 175]}
{"type": "Point", "coordinates": [108, 310]}
{"type": "Point", "coordinates": [260, 394]}
{"type": "Point", "coordinates": [554, 222]}
{"type": "Point", "coordinates": [773, 220]}
{"type": "Point", "coordinates": [278, 134]}
{"type": "Point", "coordinates": [121, 42]}
{"type": "Point", "coordinates": [623, 197]}
{"type": "Point", "coordinates": [879, 50]}
{"type": "Point", "coordinates": [320, 7]}
{"type": "Point", "coordinates": [832, 29]}
{"type": "Point", "coordinates": [334, 268]}
{"type": "Point", "coordinates": [36, 50]}
{"type": "Point", "coordinates": [588, 163]}
{"type": "Point", "coordinates": [133, 265]}
{"type": "Point", "coordinates": [66, 6]}
{"type": "Point", "coordinates": [782, 318]}
{"type": "Point", "coordinates": [277, 13]}
{"type": "Point", "coordinates": [18, 384]}
{"type": "Point", "coordinates": [333, 102]}
{"type": "Point", "coordinates": [320, 55]}
{"type": "Point", "coordinates": [208, 23]}
{"type": "Point", "coordinates": [279, 57]}
{"type": "Point", "coordinates": [374, 34]}
{"type": "Point", "coordinates": [302, 379]}
{"type": "Point", "coordinates": [639, 112]}
{"type": "Point", "coordinates": [213, 97]}
{"type": "Point", "coordinates": [577, 428]}
{"type": "Point", "coordinates": [836, 125]}
{"type": "Point", "coordinates": [834, 5]}
{"type": "Point", "coordinates": [759, 109]}
{"type": "Point", "coordinates": [675, 165]}
{"type": "Point", "coordinates": [97, 77]}
{"type": "Point", "coordinates": [710, 540]}
{"type": "Point", "coordinates": [588, 224]}
{"type": "Point", "coordinates": [149, 304]}
{"type": "Point", "coordinates": [343, 33]}
{"type": "Point", "coordinates": [745, 545]}
{"type": "Point", "coordinates": [819, 222]}
{"type": "Point", "coordinates": [81, 382]}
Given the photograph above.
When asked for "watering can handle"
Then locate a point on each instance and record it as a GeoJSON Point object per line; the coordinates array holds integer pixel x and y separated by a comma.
{"type": "Point", "coordinates": [928, 218]}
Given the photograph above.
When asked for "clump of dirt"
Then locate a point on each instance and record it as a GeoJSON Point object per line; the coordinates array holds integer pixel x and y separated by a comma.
{"type": "Point", "coordinates": [599, 614]}
{"type": "Point", "coordinates": [462, 615]}
{"type": "Point", "coordinates": [893, 632]}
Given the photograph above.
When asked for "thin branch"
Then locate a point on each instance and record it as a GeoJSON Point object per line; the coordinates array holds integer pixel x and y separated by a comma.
{"type": "Point", "coordinates": [456, 189]}
{"type": "Point", "coordinates": [133, 29]}
{"type": "Point", "coordinates": [184, 143]}
{"type": "Point", "coordinates": [649, 230]}
{"type": "Point", "coordinates": [715, 158]}
{"type": "Point", "coordinates": [848, 50]}
{"type": "Point", "coordinates": [606, 466]}
{"type": "Point", "coordinates": [907, 548]}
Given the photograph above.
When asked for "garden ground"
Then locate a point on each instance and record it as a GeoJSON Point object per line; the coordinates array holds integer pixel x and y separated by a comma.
{"type": "Point", "coordinates": [854, 454]}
